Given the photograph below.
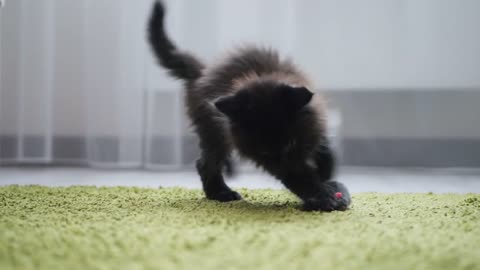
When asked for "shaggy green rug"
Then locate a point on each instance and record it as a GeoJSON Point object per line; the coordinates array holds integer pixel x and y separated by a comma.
{"type": "Point", "coordinates": [134, 228]}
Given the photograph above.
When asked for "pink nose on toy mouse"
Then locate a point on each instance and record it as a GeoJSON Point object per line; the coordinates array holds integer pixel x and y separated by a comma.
{"type": "Point", "coordinates": [338, 195]}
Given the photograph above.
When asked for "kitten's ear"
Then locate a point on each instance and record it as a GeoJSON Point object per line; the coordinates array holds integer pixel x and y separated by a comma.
{"type": "Point", "coordinates": [299, 97]}
{"type": "Point", "coordinates": [227, 105]}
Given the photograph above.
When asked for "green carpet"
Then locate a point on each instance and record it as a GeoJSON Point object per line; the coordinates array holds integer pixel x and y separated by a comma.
{"type": "Point", "coordinates": [134, 228]}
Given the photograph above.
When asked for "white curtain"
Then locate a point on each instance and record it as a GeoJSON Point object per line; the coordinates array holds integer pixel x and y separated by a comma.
{"type": "Point", "coordinates": [80, 86]}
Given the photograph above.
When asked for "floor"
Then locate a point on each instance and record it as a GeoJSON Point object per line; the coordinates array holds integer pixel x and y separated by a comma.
{"type": "Point", "coordinates": [357, 179]}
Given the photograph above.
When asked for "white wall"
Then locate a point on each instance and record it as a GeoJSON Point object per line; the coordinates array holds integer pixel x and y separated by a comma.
{"type": "Point", "coordinates": [385, 44]}
{"type": "Point", "coordinates": [69, 63]}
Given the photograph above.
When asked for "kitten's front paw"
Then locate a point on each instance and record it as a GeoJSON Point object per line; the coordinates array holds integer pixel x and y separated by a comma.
{"type": "Point", "coordinates": [326, 204]}
{"type": "Point", "coordinates": [334, 197]}
{"type": "Point", "coordinates": [225, 196]}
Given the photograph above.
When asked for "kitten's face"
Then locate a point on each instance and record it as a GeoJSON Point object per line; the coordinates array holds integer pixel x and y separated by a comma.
{"type": "Point", "coordinates": [262, 118]}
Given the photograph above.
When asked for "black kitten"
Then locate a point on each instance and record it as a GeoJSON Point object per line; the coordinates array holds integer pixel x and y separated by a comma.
{"type": "Point", "coordinates": [262, 106]}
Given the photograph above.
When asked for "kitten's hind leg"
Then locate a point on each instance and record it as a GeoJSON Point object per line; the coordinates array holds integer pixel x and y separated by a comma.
{"type": "Point", "coordinates": [210, 170]}
{"type": "Point", "coordinates": [215, 155]}
{"type": "Point", "coordinates": [229, 167]}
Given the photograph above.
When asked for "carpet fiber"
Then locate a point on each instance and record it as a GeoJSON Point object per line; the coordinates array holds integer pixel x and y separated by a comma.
{"type": "Point", "coordinates": [134, 228]}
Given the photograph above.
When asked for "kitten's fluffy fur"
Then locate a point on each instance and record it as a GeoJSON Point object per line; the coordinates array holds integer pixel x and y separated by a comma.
{"type": "Point", "coordinates": [259, 104]}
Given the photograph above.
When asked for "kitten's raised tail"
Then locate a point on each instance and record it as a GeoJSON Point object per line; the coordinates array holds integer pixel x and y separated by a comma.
{"type": "Point", "coordinates": [180, 64]}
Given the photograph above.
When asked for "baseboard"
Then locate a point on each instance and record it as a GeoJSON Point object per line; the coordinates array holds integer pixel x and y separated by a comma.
{"type": "Point", "coordinates": [411, 152]}
{"type": "Point", "coordinates": [387, 152]}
